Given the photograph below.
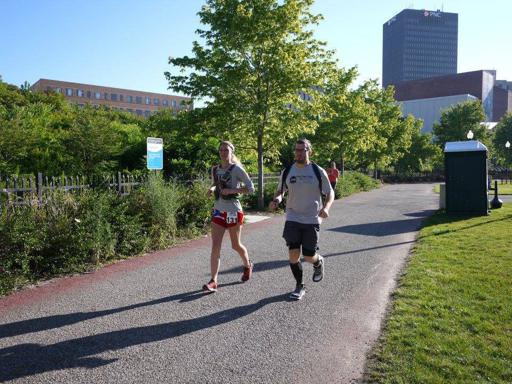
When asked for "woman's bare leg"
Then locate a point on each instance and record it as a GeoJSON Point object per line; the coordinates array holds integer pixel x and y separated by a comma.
{"type": "Point", "coordinates": [217, 235]}
{"type": "Point", "coordinates": [235, 233]}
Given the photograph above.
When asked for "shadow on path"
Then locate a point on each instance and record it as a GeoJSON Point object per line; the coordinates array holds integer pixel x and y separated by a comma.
{"type": "Point", "coordinates": [385, 228]}
{"type": "Point", "coordinates": [422, 214]}
{"type": "Point", "coordinates": [368, 249]}
{"type": "Point", "coordinates": [30, 359]}
{"type": "Point", "coordinates": [57, 321]}
{"type": "Point", "coordinates": [268, 265]}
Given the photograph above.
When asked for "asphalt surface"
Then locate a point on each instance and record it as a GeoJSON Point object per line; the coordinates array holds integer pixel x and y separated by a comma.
{"type": "Point", "coordinates": [145, 320]}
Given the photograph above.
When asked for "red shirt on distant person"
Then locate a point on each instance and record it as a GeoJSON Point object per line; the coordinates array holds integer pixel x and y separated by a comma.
{"type": "Point", "coordinates": [333, 173]}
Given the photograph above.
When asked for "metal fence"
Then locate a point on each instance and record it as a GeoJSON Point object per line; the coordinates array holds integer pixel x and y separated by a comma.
{"type": "Point", "coordinates": [504, 176]}
{"type": "Point", "coordinates": [33, 189]}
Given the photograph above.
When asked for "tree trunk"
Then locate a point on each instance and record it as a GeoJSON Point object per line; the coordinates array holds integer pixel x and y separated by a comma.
{"type": "Point", "coordinates": [342, 166]}
{"type": "Point", "coordinates": [261, 200]}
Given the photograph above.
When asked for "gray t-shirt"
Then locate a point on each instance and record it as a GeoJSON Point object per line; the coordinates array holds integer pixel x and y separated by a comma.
{"type": "Point", "coordinates": [304, 200]}
{"type": "Point", "coordinates": [237, 177]}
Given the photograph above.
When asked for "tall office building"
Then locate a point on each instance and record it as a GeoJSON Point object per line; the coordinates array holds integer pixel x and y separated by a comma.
{"type": "Point", "coordinates": [419, 44]}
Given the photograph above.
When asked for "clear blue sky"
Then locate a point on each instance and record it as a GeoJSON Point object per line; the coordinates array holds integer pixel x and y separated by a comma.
{"type": "Point", "coordinates": [126, 43]}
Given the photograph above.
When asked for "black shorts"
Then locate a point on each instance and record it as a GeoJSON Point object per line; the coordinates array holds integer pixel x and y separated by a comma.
{"type": "Point", "coordinates": [305, 235]}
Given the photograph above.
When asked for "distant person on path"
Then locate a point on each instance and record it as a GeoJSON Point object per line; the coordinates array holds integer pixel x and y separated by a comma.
{"type": "Point", "coordinates": [229, 181]}
{"type": "Point", "coordinates": [333, 173]}
{"type": "Point", "coordinates": [305, 183]}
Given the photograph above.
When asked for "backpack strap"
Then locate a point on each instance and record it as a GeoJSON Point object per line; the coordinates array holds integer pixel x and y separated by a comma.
{"type": "Point", "coordinates": [214, 173]}
{"type": "Point", "coordinates": [286, 171]}
{"type": "Point", "coordinates": [215, 177]}
{"type": "Point", "coordinates": [316, 169]}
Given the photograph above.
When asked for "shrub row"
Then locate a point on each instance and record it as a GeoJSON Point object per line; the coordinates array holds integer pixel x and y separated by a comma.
{"type": "Point", "coordinates": [353, 182]}
{"type": "Point", "coordinates": [73, 232]}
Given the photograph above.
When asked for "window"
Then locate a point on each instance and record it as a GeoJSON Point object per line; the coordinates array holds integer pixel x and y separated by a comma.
{"type": "Point", "coordinates": [88, 94]}
{"type": "Point", "coordinates": [165, 102]}
{"type": "Point", "coordinates": [80, 92]}
{"type": "Point", "coordinates": [129, 99]}
{"type": "Point", "coordinates": [138, 99]}
{"type": "Point", "coordinates": [105, 95]}
{"type": "Point", "coordinates": [113, 96]}
{"type": "Point", "coordinates": [147, 113]}
{"type": "Point", "coordinates": [138, 112]}
{"type": "Point", "coordinates": [69, 92]}
{"type": "Point", "coordinates": [148, 100]}
{"type": "Point", "coordinates": [156, 101]}
{"type": "Point", "coordinates": [121, 97]}
{"type": "Point", "coordinates": [97, 95]}
{"type": "Point", "coordinates": [174, 103]}
{"type": "Point", "coordinates": [58, 90]}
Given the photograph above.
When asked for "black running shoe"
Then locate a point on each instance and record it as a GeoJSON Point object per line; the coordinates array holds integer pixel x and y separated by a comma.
{"type": "Point", "coordinates": [299, 293]}
{"type": "Point", "coordinates": [318, 271]}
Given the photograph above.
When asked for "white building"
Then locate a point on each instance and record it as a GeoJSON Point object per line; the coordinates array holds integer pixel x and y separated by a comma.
{"type": "Point", "coordinates": [430, 110]}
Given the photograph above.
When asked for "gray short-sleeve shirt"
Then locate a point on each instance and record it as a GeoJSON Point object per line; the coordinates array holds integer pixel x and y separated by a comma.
{"type": "Point", "coordinates": [238, 177]}
{"type": "Point", "coordinates": [304, 200]}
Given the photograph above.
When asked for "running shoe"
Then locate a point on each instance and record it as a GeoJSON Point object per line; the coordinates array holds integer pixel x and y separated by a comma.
{"type": "Point", "coordinates": [210, 287]}
{"type": "Point", "coordinates": [318, 270]}
{"type": "Point", "coordinates": [247, 272]}
{"type": "Point", "coordinates": [299, 292]}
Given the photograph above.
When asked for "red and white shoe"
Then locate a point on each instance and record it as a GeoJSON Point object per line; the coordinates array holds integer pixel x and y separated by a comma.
{"type": "Point", "coordinates": [210, 287]}
{"type": "Point", "coordinates": [247, 272]}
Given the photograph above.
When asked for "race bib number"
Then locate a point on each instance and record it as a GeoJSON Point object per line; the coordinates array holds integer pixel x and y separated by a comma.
{"type": "Point", "coordinates": [232, 217]}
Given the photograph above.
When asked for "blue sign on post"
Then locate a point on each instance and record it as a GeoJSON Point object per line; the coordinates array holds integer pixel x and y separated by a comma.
{"type": "Point", "coordinates": [155, 153]}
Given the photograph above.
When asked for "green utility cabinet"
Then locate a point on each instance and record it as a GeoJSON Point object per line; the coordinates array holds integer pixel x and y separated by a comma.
{"type": "Point", "coordinates": [465, 166]}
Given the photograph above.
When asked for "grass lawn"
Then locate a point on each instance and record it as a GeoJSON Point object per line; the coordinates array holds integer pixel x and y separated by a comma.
{"type": "Point", "coordinates": [503, 189]}
{"type": "Point", "coordinates": [451, 315]}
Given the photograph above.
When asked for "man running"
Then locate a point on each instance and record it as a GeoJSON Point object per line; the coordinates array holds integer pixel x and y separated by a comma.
{"type": "Point", "coordinates": [305, 182]}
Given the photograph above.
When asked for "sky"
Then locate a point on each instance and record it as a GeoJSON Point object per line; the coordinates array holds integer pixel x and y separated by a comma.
{"type": "Point", "coordinates": [127, 43]}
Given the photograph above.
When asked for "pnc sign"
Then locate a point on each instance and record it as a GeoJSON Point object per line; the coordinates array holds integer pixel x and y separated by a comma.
{"type": "Point", "coordinates": [431, 14]}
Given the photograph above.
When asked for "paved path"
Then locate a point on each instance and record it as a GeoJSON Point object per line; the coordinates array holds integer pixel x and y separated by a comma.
{"type": "Point", "coordinates": [144, 320]}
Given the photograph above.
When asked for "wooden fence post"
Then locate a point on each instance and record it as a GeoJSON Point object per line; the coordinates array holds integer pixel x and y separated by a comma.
{"type": "Point", "coordinates": [119, 183]}
{"type": "Point", "coordinates": [39, 188]}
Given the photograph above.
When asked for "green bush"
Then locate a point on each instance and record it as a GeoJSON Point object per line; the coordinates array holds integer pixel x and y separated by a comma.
{"type": "Point", "coordinates": [353, 182]}
{"type": "Point", "coordinates": [158, 202]}
{"type": "Point", "coordinates": [194, 212]}
{"type": "Point", "coordinates": [108, 227]}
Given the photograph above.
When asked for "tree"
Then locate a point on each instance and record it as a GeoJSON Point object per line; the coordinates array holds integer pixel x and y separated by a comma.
{"type": "Point", "coordinates": [503, 133]}
{"type": "Point", "coordinates": [189, 150]}
{"type": "Point", "coordinates": [261, 70]}
{"type": "Point", "coordinates": [421, 156]}
{"type": "Point", "coordinates": [25, 87]}
{"type": "Point", "coordinates": [392, 133]}
{"type": "Point", "coordinates": [348, 129]}
{"type": "Point", "coordinates": [458, 120]}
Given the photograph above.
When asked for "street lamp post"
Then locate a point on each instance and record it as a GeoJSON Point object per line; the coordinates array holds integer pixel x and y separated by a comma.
{"type": "Point", "coordinates": [507, 146]}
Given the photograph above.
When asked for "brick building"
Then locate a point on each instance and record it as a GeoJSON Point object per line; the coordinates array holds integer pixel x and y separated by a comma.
{"type": "Point", "coordinates": [137, 102]}
{"type": "Point", "coordinates": [496, 95]}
